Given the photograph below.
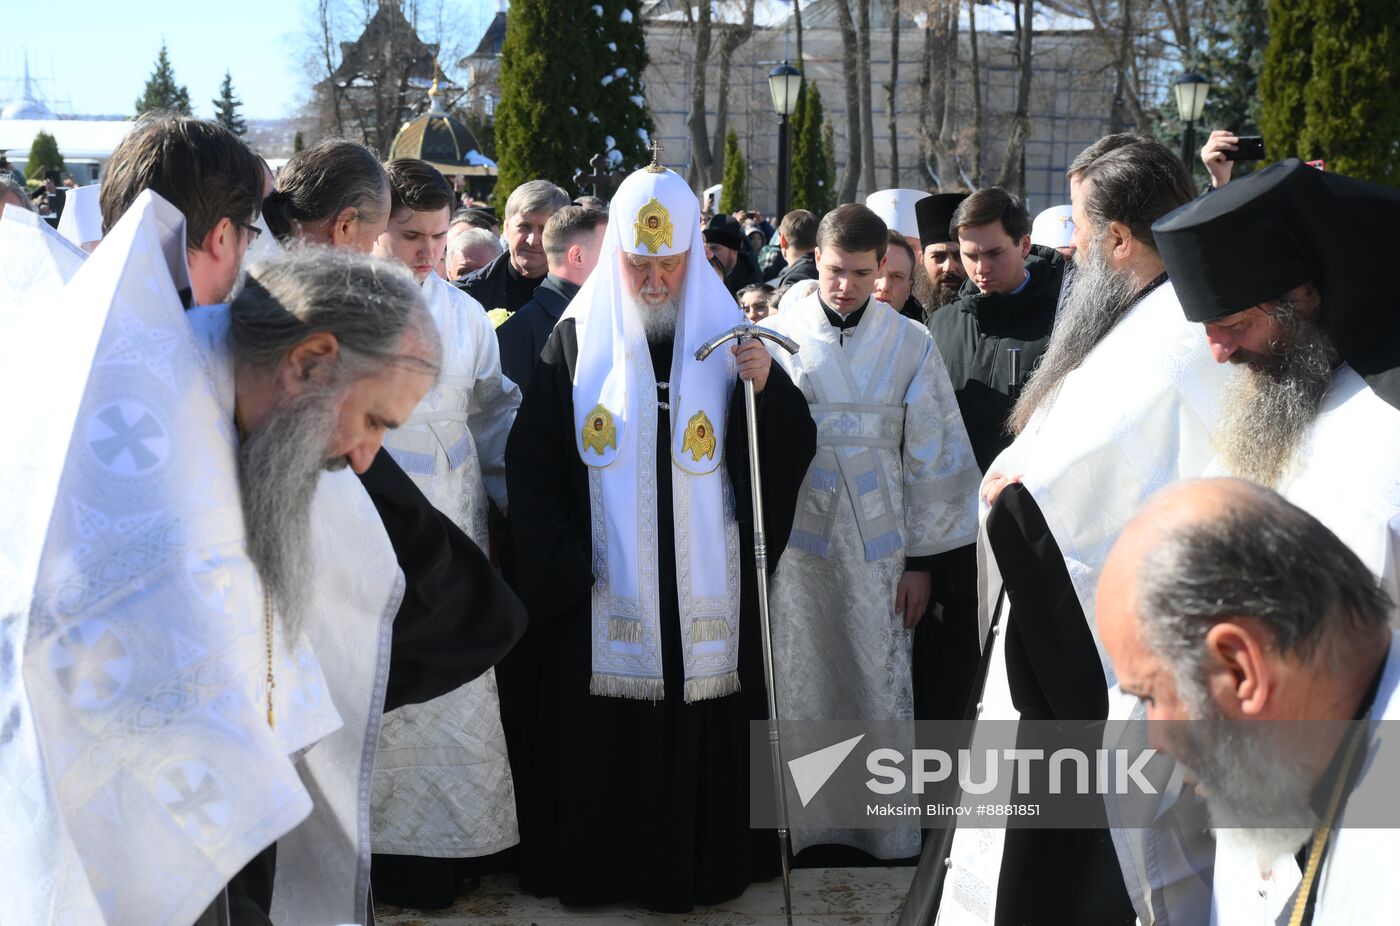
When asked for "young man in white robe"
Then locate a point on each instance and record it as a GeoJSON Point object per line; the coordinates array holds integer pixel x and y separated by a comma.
{"type": "Point", "coordinates": [442, 782]}
{"type": "Point", "coordinates": [892, 486]}
{"type": "Point", "coordinates": [1227, 610]}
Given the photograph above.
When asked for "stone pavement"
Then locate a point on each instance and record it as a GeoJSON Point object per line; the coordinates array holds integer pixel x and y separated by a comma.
{"type": "Point", "coordinates": [821, 897]}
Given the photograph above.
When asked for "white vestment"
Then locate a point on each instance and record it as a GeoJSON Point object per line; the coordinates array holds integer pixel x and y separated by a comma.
{"type": "Point", "coordinates": [442, 785]}
{"type": "Point", "coordinates": [323, 864]}
{"type": "Point", "coordinates": [35, 260]}
{"type": "Point", "coordinates": [893, 477]}
{"type": "Point", "coordinates": [1138, 413]}
{"type": "Point", "coordinates": [1347, 475]}
{"type": "Point", "coordinates": [138, 773]}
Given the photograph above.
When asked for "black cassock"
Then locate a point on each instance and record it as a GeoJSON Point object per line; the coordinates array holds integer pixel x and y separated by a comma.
{"type": "Point", "coordinates": [626, 800]}
{"type": "Point", "coordinates": [457, 619]}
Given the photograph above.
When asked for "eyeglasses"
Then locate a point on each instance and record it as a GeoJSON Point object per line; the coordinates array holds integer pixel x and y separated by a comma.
{"type": "Point", "coordinates": [250, 228]}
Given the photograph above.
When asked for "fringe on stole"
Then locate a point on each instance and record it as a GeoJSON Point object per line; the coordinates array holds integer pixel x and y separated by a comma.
{"type": "Point", "coordinates": [711, 686]}
{"type": "Point", "coordinates": [654, 689]}
{"type": "Point", "coordinates": [627, 686]}
{"type": "Point", "coordinates": [624, 630]}
{"type": "Point", "coordinates": [709, 629]}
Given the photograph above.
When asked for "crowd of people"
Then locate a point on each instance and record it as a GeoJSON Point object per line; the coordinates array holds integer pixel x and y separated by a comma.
{"type": "Point", "coordinates": [366, 543]}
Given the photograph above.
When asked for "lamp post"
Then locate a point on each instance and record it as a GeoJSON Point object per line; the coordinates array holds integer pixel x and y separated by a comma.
{"type": "Point", "coordinates": [1191, 91]}
{"type": "Point", "coordinates": [784, 83]}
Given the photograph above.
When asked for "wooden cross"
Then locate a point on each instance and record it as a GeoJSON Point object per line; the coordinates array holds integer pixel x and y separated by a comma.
{"type": "Point", "coordinates": [602, 180]}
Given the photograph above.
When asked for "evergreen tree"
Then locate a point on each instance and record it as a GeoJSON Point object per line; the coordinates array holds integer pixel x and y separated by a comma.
{"type": "Point", "coordinates": [811, 185]}
{"type": "Point", "coordinates": [226, 108]}
{"type": "Point", "coordinates": [162, 93]}
{"type": "Point", "coordinates": [543, 130]}
{"type": "Point", "coordinates": [43, 157]}
{"type": "Point", "coordinates": [828, 183]}
{"type": "Point", "coordinates": [734, 195]}
{"type": "Point", "coordinates": [1351, 111]}
{"type": "Point", "coordinates": [297, 142]}
{"type": "Point", "coordinates": [1287, 70]}
{"type": "Point", "coordinates": [483, 129]}
{"type": "Point", "coordinates": [620, 56]}
{"type": "Point", "coordinates": [1233, 57]}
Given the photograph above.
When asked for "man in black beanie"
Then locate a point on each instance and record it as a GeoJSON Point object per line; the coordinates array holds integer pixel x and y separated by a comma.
{"type": "Point", "coordinates": [724, 239]}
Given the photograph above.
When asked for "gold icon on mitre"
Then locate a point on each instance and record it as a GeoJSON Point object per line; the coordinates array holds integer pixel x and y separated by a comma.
{"type": "Point", "coordinates": [699, 437]}
{"type": "Point", "coordinates": [598, 431]}
{"type": "Point", "coordinates": [654, 227]}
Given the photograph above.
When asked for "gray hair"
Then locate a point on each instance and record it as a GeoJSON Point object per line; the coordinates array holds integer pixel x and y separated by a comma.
{"type": "Point", "coordinates": [567, 226]}
{"type": "Point", "coordinates": [464, 237]}
{"type": "Point", "coordinates": [535, 196]}
{"type": "Point", "coordinates": [8, 184]}
{"type": "Point", "coordinates": [1259, 556]}
{"type": "Point", "coordinates": [1101, 147]}
{"type": "Point", "coordinates": [1135, 184]}
{"type": "Point", "coordinates": [367, 304]}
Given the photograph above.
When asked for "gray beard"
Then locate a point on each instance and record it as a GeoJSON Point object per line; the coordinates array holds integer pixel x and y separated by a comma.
{"type": "Point", "coordinates": [1267, 411]}
{"type": "Point", "coordinates": [1248, 780]}
{"type": "Point", "coordinates": [658, 321]}
{"type": "Point", "coordinates": [1098, 298]}
{"type": "Point", "coordinates": [278, 468]}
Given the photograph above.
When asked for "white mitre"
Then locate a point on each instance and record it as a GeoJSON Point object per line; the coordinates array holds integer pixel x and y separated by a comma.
{"type": "Point", "coordinates": [1054, 227]}
{"type": "Point", "coordinates": [81, 222]}
{"type": "Point", "coordinates": [654, 214]}
{"type": "Point", "coordinates": [896, 209]}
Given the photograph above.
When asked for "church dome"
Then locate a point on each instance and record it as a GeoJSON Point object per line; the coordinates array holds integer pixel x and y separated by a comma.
{"type": "Point", "coordinates": [26, 109]}
{"type": "Point", "coordinates": [443, 141]}
{"type": "Point", "coordinates": [27, 106]}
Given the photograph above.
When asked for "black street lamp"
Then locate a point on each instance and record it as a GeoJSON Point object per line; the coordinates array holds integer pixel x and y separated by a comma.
{"type": "Point", "coordinates": [1191, 91]}
{"type": "Point", "coordinates": [785, 83]}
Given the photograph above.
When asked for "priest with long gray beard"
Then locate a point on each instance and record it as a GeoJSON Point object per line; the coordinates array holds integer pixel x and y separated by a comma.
{"type": "Point", "coordinates": [1122, 401]}
{"type": "Point", "coordinates": [1280, 269]}
{"type": "Point", "coordinates": [628, 483]}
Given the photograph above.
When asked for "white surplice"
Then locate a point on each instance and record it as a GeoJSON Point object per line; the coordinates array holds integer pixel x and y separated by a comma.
{"type": "Point", "coordinates": [35, 260]}
{"type": "Point", "coordinates": [323, 864]}
{"type": "Point", "coordinates": [442, 786]}
{"type": "Point", "coordinates": [132, 635]}
{"type": "Point", "coordinates": [894, 476]}
{"type": "Point", "coordinates": [1139, 412]}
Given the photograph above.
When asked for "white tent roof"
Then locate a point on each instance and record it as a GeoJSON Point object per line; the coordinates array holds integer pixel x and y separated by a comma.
{"type": "Point", "coordinates": [85, 139]}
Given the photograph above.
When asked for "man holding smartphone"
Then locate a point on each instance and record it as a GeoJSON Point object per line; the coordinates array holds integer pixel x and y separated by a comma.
{"type": "Point", "coordinates": [1223, 149]}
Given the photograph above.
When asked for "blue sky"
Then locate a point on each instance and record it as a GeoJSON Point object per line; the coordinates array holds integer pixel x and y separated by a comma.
{"type": "Point", "coordinates": [93, 56]}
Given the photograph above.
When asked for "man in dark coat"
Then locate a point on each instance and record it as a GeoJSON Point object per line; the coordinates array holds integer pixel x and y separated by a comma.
{"type": "Point", "coordinates": [798, 237]}
{"type": "Point", "coordinates": [509, 281]}
{"type": "Point", "coordinates": [1007, 303]}
{"type": "Point", "coordinates": [572, 238]}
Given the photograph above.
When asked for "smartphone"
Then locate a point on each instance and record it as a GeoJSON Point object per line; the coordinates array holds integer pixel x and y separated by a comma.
{"type": "Point", "coordinates": [1250, 148]}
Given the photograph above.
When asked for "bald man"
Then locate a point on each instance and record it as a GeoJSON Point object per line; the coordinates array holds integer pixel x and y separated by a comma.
{"type": "Point", "coordinates": [1224, 604]}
